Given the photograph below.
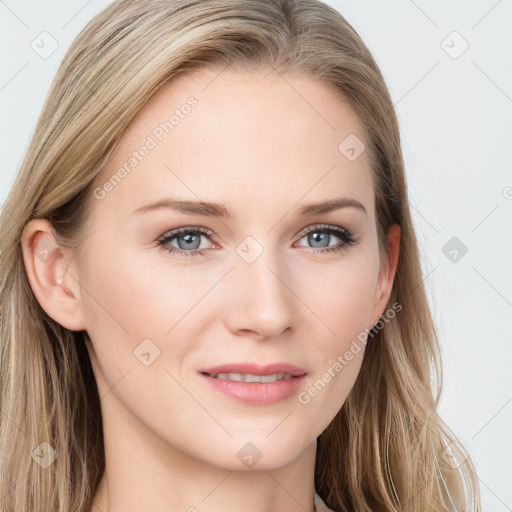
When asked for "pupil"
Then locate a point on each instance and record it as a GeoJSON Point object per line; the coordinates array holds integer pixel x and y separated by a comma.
{"type": "Point", "coordinates": [188, 241]}
{"type": "Point", "coordinates": [317, 237]}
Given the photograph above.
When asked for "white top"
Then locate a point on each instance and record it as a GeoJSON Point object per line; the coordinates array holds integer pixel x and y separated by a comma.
{"type": "Point", "coordinates": [320, 506]}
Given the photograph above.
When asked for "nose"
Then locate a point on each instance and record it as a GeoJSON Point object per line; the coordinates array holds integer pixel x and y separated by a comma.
{"type": "Point", "coordinates": [258, 298]}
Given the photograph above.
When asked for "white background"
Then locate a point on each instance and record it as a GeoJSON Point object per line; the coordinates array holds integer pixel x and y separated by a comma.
{"type": "Point", "coordinates": [456, 122]}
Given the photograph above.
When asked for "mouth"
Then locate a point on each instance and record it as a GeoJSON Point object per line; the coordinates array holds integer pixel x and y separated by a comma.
{"type": "Point", "coordinates": [247, 377]}
{"type": "Point", "coordinates": [254, 370]}
{"type": "Point", "coordinates": [254, 384]}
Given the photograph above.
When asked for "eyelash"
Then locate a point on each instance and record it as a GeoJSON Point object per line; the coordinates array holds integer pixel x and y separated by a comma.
{"type": "Point", "coordinates": [343, 234]}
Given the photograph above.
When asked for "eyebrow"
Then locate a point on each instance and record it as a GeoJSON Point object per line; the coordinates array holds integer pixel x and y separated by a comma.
{"type": "Point", "coordinates": [211, 209]}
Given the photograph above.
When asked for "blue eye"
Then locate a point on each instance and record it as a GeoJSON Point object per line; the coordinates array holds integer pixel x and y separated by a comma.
{"type": "Point", "coordinates": [189, 239]}
{"type": "Point", "coordinates": [344, 235]}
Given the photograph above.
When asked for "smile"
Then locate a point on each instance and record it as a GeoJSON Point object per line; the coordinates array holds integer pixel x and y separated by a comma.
{"type": "Point", "coordinates": [247, 377]}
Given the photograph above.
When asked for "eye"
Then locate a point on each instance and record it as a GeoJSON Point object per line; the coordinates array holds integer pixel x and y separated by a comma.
{"type": "Point", "coordinates": [319, 237]}
{"type": "Point", "coordinates": [187, 238]}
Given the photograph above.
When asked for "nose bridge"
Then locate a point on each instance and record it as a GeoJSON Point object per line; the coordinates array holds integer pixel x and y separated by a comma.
{"type": "Point", "coordinates": [261, 300]}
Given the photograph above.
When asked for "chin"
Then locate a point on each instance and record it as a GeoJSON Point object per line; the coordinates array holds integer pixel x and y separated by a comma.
{"type": "Point", "coordinates": [260, 451]}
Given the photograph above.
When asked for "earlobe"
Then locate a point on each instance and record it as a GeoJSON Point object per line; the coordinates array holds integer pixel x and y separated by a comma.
{"type": "Point", "coordinates": [50, 274]}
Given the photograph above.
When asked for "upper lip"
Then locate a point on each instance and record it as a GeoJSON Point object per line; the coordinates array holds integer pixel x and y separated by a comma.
{"type": "Point", "coordinates": [255, 369]}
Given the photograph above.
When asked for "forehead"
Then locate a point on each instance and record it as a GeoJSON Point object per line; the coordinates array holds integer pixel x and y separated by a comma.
{"type": "Point", "coordinates": [238, 138]}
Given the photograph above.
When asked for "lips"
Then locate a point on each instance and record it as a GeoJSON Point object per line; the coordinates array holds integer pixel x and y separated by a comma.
{"type": "Point", "coordinates": [255, 384]}
{"type": "Point", "coordinates": [255, 369]}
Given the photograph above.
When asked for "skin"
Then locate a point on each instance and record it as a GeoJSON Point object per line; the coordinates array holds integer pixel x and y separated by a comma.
{"type": "Point", "coordinates": [263, 146]}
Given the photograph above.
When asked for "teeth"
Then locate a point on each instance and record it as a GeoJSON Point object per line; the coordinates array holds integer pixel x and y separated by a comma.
{"type": "Point", "coordinates": [247, 377]}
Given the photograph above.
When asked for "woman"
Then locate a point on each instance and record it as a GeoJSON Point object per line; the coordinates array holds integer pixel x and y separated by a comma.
{"type": "Point", "coordinates": [211, 292]}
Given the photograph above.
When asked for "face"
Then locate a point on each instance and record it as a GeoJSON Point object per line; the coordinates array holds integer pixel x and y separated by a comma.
{"type": "Point", "coordinates": [175, 292]}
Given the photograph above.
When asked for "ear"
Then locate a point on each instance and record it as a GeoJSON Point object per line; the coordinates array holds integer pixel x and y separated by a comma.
{"type": "Point", "coordinates": [52, 275]}
{"type": "Point", "coordinates": [386, 275]}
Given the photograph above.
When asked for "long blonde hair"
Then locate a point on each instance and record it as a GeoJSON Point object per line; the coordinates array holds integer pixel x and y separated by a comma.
{"type": "Point", "coordinates": [387, 449]}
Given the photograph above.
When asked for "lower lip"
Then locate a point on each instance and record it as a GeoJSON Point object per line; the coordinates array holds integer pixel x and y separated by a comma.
{"type": "Point", "coordinates": [256, 393]}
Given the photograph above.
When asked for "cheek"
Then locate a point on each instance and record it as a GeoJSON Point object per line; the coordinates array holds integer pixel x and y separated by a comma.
{"type": "Point", "coordinates": [341, 297]}
{"type": "Point", "coordinates": [343, 303]}
{"type": "Point", "coordinates": [130, 300]}
{"type": "Point", "coordinates": [140, 296]}
{"type": "Point", "coordinates": [130, 308]}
